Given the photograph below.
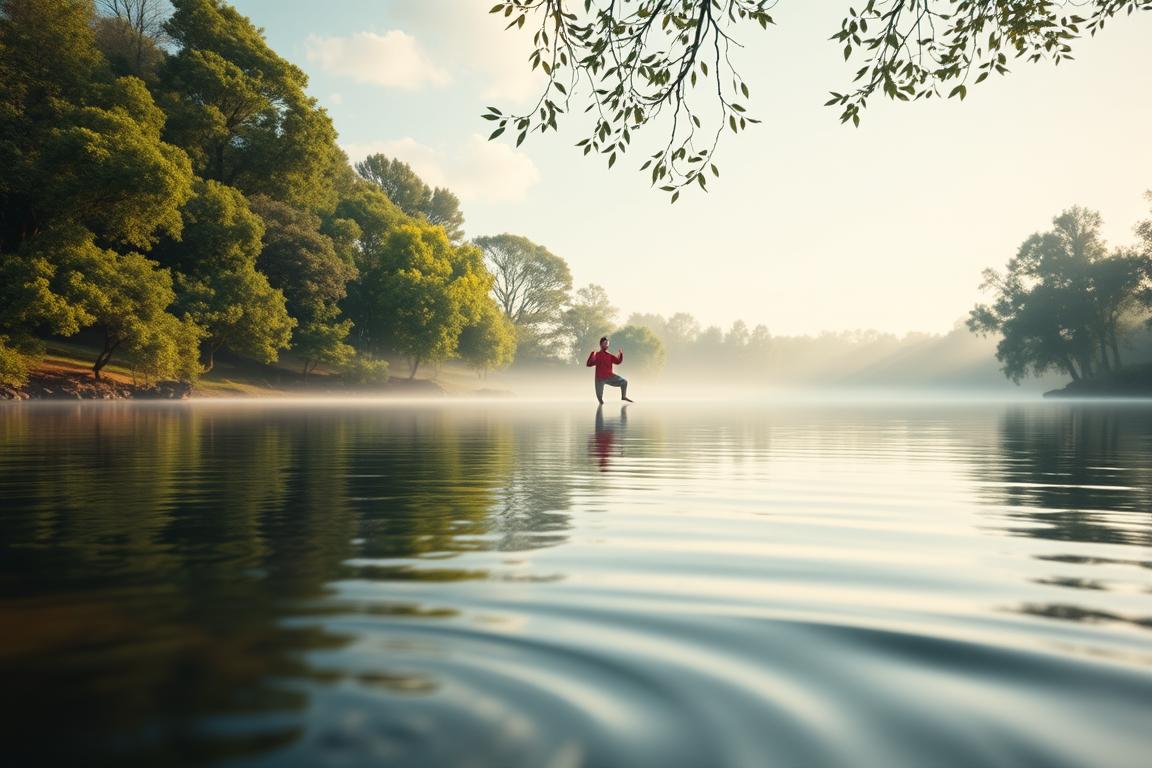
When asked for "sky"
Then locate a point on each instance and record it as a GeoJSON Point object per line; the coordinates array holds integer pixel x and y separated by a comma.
{"type": "Point", "coordinates": [812, 226]}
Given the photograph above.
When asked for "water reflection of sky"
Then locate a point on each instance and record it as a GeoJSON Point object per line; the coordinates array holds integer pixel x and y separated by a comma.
{"type": "Point", "coordinates": [530, 584]}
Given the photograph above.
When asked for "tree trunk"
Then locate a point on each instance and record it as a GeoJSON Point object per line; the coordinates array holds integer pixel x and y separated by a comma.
{"type": "Point", "coordinates": [1086, 370]}
{"type": "Point", "coordinates": [208, 356]}
{"type": "Point", "coordinates": [415, 366]}
{"type": "Point", "coordinates": [105, 355]}
{"type": "Point", "coordinates": [1103, 364]}
{"type": "Point", "coordinates": [1115, 350]}
{"type": "Point", "coordinates": [1070, 367]}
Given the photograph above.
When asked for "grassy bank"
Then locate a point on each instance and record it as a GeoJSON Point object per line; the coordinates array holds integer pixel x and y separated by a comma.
{"type": "Point", "coordinates": [66, 371]}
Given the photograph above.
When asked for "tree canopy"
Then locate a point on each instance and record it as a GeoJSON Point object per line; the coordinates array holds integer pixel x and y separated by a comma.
{"type": "Point", "coordinates": [217, 281]}
{"type": "Point", "coordinates": [240, 110]}
{"type": "Point", "coordinates": [417, 292]}
{"type": "Point", "coordinates": [645, 351]}
{"type": "Point", "coordinates": [409, 192]}
{"type": "Point", "coordinates": [589, 316]}
{"type": "Point", "coordinates": [634, 64]}
{"type": "Point", "coordinates": [531, 284]}
{"type": "Point", "coordinates": [1061, 301]}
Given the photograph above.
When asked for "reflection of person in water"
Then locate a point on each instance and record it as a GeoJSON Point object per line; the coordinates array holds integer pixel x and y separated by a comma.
{"type": "Point", "coordinates": [603, 360]}
{"type": "Point", "coordinates": [603, 440]}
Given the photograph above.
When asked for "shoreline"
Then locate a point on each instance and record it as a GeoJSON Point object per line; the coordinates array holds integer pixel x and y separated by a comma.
{"type": "Point", "coordinates": [55, 385]}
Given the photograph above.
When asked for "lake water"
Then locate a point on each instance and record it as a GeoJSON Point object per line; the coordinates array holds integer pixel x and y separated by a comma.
{"type": "Point", "coordinates": [548, 586]}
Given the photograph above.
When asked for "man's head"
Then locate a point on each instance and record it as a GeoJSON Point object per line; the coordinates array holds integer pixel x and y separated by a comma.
{"type": "Point", "coordinates": [604, 343]}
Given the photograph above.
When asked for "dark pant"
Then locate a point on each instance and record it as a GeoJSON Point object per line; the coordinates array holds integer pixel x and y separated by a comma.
{"type": "Point", "coordinates": [612, 381]}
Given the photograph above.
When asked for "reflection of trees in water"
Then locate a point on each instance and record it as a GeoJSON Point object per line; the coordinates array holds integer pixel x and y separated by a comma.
{"type": "Point", "coordinates": [142, 565]}
{"type": "Point", "coordinates": [428, 484]}
{"type": "Point", "coordinates": [148, 556]}
{"type": "Point", "coordinates": [1078, 475]}
{"type": "Point", "coordinates": [531, 501]}
{"type": "Point", "coordinates": [87, 496]}
{"type": "Point", "coordinates": [1081, 473]}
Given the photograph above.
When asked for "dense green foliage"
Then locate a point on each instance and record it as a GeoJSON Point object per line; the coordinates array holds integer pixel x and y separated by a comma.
{"type": "Point", "coordinates": [645, 350]}
{"type": "Point", "coordinates": [170, 186]}
{"type": "Point", "coordinates": [1064, 301]}
{"type": "Point", "coordinates": [489, 341]}
{"type": "Point", "coordinates": [408, 191]}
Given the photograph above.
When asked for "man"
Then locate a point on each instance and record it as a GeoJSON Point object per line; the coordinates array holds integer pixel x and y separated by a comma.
{"type": "Point", "coordinates": [602, 360]}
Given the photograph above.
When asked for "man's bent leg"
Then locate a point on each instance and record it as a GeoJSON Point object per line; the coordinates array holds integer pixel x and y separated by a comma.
{"type": "Point", "coordinates": [618, 381]}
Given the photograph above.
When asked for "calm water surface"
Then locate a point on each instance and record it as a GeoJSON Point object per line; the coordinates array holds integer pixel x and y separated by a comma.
{"type": "Point", "coordinates": [548, 586]}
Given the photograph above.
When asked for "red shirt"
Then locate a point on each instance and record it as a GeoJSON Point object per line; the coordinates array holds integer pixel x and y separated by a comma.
{"type": "Point", "coordinates": [603, 362]}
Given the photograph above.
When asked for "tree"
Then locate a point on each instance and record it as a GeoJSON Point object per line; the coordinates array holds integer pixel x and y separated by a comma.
{"type": "Point", "coordinates": [131, 34]}
{"type": "Point", "coordinates": [410, 194]}
{"type": "Point", "coordinates": [241, 111]}
{"type": "Point", "coordinates": [86, 175]}
{"type": "Point", "coordinates": [530, 283]}
{"type": "Point", "coordinates": [320, 339]}
{"type": "Point", "coordinates": [655, 323]}
{"type": "Point", "coordinates": [444, 211]}
{"type": "Point", "coordinates": [488, 342]}
{"type": "Point", "coordinates": [1060, 301]}
{"type": "Point", "coordinates": [645, 351]}
{"type": "Point", "coordinates": [682, 330]}
{"type": "Point", "coordinates": [1117, 285]}
{"type": "Point", "coordinates": [14, 367]}
{"type": "Point", "coordinates": [1144, 232]}
{"type": "Point", "coordinates": [589, 317]}
{"type": "Point", "coordinates": [303, 262]}
{"type": "Point", "coordinates": [65, 282]}
{"type": "Point", "coordinates": [78, 145]}
{"type": "Point", "coordinates": [416, 293]}
{"type": "Point", "coordinates": [218, 286]}
{"type": "Point", "coordinates": [641, 61]}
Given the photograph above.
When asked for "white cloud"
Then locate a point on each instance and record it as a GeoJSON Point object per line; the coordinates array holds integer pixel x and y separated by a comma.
{"type": "Point", "coordinates": [478, 170]}
{"type": "Point", "coordinates": [393, 59]}
{"type": "Point", "coordinates": [336, 99]}
{"type": "Point", "coordinates": [475, 41]}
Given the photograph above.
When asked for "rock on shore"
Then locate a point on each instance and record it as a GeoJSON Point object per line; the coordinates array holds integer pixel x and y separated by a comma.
{"type": "Point", "coordinates": [52, 385]}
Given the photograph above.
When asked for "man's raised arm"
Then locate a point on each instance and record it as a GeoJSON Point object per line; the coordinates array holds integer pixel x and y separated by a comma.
{"type": "Point", "coordinates": [591, 360]}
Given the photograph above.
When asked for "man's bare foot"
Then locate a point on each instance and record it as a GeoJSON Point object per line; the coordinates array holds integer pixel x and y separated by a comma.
{"type": "Point", "coordinates": [627, 399]}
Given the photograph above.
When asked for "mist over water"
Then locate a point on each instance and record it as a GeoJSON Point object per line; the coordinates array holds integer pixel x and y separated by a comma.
{"type": "Point", "coordinates": [899, 583]}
